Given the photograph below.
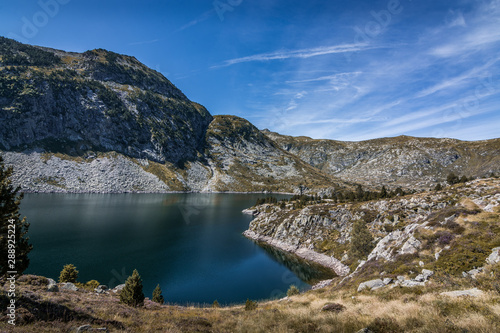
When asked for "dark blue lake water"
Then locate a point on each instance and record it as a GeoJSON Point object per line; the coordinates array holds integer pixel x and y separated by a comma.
{"type": "Point", "coordinates": [191, 244]}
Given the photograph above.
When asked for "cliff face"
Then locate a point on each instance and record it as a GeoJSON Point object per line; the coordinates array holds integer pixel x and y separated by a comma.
{"type": "Point", "coordinates": [241, 158]}
{"type": "Point", "coordinates": [400, 161]}
{"type": "Point", "coordinates": [95, 101]}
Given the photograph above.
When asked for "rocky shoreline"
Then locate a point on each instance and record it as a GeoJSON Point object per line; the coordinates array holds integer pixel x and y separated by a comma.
{"type": "Point", "coordinates": [304, 253]}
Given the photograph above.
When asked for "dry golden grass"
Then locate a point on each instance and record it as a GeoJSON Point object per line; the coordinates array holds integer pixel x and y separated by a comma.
{"type": "Point", "coordinates": [384, 310]}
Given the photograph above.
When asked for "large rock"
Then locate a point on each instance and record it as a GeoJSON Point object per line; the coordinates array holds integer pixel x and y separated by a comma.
{"type": "Point", "coordinates": [88, 328]}
{"type": "Point", "coordinates": [494, 256]}
{"type": "Point", "coordinates": [424, 276]}
{"type": "Point", "coordinates": [118, 288]}
{"type": "Point", "coordinates": [68, 286]}
{"type": "Point", "coordinates": [372, 285]}
{"type": "Point", "coordinates": [53, 288]}
{"type": "Point", "coordinates": [412, 283]}
{"type": "Point", "coordinates": [101, 289]}
{"type": "Point", "coordinates": [410, 246]}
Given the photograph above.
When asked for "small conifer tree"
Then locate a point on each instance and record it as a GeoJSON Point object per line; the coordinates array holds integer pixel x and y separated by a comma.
{"type": "Point", "coordinates": [216, 304]}
{"type": "Point", "coordinates": [361, 240]}
{"type": "Point", "coordinates": [68, 274]}
{"type": "Point", "coordinates": [157, 296]}
{"type": "Point", "coordinates": [132, 293]}
{"type": "Point", "coordinates": [452, 178]}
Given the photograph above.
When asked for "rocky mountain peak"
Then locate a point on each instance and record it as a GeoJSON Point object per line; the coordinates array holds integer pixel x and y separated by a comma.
{"type": "Point", "coordinates": [94, 101]}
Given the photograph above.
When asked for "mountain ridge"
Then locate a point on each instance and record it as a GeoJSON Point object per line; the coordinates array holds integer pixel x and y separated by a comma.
{"type": "Point", "coordinates": [81, 113]}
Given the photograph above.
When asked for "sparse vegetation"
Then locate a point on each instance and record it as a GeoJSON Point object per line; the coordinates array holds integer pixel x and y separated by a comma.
{"type": "Point", "coordinates": [361, 241]}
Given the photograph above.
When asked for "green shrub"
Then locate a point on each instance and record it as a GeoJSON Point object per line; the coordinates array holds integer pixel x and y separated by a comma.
{"type": "Point", "coordinates": [250, 305]}
{"type": "Point", "coordinates": [68, 274]}
{"type": "Point", "coordinates": [132, 293]}
{"type": "Point", "coordinates": [361, 240]}
{"type": "Point", "coordinates": [293, 290]}
{"type": "Point", "coordinates": [92, 284]}
{"type": "Point", "coordinates": [215, 304]}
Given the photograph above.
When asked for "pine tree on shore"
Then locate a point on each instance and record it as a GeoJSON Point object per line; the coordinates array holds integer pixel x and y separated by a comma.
{"type": "Point", "coordinates": [14, 243]}
{"type": "Point", "coordinates": [157, 296]}
{"type": "Point", "coordinates": [132, 293]}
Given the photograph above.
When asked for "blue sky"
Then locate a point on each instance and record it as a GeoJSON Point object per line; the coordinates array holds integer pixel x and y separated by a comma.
{"type": "Point", "coordinates": [344, 70]}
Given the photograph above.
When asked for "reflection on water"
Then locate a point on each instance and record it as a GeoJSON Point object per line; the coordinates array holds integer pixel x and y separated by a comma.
{"type": "Point", "coordinates": [189, 243]}
{"type": "Point", "coordinates": [309, 272]}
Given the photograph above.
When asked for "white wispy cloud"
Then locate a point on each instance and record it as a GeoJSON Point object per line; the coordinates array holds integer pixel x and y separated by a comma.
{"type": "Point", "coordinates": [459, 80]}
{"type": "Point", "coordinates": [335, 77]}
{"type": "Point", "coordinates": [481, 33]}
{"type": "Point", "coordinates": [203, 17]}
{"type": "Point", "coordinates": [302, 53]}
{"type": "Point", "coordinates": [455, 19]}
{"type": "Point", "coordinates": [144, 42]}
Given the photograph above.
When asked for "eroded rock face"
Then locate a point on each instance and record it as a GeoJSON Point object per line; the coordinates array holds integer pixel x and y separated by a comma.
{"type": "Point", "coordinates": [98, 101]}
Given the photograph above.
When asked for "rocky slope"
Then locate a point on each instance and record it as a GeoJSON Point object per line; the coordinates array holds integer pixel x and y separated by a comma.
{"type": "Point", "coordinates": [94, 101]}
{"type": "Point", "coordinates": [238, 157]}
{"type": "Point", "coordinates": [452, 231]}
{"type": "Point", "coordinates": [401, 161]}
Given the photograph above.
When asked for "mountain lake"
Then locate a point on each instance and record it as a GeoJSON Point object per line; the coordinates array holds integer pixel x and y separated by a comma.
{"type": "Point", "coordinates": [190, 243]}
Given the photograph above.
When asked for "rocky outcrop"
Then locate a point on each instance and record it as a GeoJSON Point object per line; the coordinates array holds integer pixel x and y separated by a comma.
{"type": "Point", "coordinates": [494, 257]}
{"type": "Point", "coordinates": [304, 253]}
{"type": "Point", "coordinates": [98, 101]}
{"type": "Point", "coordinates": [401, 228]}
{"type": "Point", "coordinates": [371, 285]}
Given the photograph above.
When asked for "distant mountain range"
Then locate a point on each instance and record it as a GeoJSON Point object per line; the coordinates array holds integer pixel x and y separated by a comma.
{"type": "Point", "coordinates": [103, 122]}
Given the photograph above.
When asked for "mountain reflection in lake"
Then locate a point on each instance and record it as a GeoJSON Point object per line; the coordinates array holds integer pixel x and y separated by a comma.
{"type": "Point", "coordinates": [189, 243]}
{"type": "Point", "coordinates": [309, 272]}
